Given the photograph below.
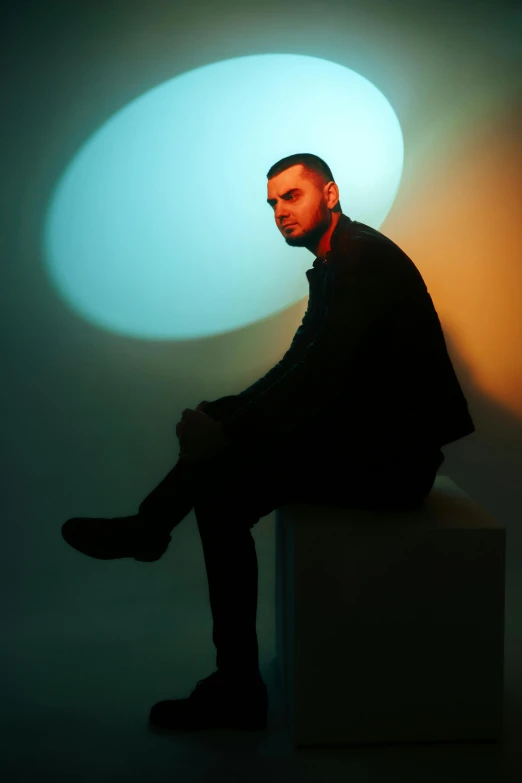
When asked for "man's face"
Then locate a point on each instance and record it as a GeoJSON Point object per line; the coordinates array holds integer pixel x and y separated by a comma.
{"type": "Point", "coordinates": [298, 201]}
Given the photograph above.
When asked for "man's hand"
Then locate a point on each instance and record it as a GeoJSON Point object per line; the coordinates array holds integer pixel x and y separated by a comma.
{"type": "Point", "coordinates": [199, 435]}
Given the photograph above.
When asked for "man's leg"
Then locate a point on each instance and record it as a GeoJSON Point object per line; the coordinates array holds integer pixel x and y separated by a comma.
{"type": "Point", "coordinates": [170, 502]}
{"type": "Point", "coordinates": [231, 493]}
{"type": "Point", "coordinates": [220, 493]}
{"type": "Point", "coordinates": [232, 573]}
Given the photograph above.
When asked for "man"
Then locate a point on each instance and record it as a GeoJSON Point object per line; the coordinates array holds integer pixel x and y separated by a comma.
{"type": "Point", "coordinates": [354, 414]}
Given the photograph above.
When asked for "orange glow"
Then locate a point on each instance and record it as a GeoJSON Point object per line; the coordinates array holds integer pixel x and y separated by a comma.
{"type": "Point", "coordinates": [459, 221]}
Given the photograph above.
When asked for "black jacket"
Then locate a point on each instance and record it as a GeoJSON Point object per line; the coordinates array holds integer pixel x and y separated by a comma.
{"type": "Point", "coordinates": [368, 369]}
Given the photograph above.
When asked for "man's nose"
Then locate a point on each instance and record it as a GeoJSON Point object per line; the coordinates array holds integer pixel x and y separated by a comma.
{"type": "Point", "coordinates": [281, 217]}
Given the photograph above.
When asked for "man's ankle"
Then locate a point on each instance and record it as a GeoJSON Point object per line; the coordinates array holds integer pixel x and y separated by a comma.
{"type": "Point", "coordinates": [155, 524]}
{"type": "Point", "coordinates": [242, 677]}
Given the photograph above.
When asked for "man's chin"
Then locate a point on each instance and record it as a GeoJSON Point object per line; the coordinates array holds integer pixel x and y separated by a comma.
{"type": "Point", "coordinates": [296, 241]}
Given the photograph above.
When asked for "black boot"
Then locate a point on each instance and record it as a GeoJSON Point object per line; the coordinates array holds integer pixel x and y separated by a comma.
{"type": "Point", "coordinates": [109, 539]}
{"type": "Point", "coordinates": [216, 702]}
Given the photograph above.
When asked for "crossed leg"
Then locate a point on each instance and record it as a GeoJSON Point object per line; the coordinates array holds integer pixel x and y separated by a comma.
{"type": "Point", "coordinates": [222, 492]}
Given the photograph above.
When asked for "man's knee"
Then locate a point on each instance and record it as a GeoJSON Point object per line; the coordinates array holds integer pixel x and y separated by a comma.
{"type": "Point", "coordinates": [224, 406]}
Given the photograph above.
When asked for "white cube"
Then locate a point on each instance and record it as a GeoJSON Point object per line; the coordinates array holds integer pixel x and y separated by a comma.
{"type": "Point", "coordinates": [390, 625]}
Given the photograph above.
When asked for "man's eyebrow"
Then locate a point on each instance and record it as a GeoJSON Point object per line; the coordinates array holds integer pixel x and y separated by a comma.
{"type": "Point", "coordinates": [292, 190]}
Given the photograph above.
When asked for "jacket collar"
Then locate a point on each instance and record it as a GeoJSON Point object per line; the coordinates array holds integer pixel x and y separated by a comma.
{"type": "Point", "coordinates": [342, 229]}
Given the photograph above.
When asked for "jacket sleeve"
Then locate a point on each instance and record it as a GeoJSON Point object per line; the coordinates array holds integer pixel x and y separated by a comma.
{"type": "Point", "coordinates": [297, 347]}
{"type": "Point", "coordinates": [361, 297]}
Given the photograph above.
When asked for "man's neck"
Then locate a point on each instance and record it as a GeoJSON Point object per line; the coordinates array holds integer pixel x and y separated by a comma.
{"type": "Point", "coordinates": [324, 244]}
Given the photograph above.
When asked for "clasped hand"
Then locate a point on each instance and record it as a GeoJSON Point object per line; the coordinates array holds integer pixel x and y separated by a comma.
{"type": "Point", "coordinates": [199, 435]}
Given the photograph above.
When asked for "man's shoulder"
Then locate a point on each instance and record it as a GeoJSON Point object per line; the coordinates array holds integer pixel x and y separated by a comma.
{"type": "Point", "coordinates": [362, 245]}
{"type": "Point", "coordinates": [361, 237]}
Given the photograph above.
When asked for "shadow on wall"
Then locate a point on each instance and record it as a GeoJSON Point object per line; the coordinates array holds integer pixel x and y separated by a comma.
{"type": "Point", "coordinates": [488, 463]}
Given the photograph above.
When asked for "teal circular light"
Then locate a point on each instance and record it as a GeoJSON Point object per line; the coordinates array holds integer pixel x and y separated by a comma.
{"type": "Point", "coordinates": [159, 227]}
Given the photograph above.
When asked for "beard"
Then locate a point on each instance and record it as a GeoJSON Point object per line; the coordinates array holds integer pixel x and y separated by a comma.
{"type": "Point", "coordinates": [309, 238]}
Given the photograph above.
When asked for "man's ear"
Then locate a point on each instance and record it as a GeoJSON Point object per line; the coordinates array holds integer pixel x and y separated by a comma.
{"type": "Point", "coordinates": [331, 194]}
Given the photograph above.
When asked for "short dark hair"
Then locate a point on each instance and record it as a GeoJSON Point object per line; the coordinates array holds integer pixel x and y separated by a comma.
{"type": "Point", "coordinates": [315, 169]}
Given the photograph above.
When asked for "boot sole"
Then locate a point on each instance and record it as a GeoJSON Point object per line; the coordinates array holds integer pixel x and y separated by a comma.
{"type": "Point", "coordinates": [106, 551]}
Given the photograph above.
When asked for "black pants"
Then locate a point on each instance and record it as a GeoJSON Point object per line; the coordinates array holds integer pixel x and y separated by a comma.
{"type": "Point", "coordinates": [231, 492]}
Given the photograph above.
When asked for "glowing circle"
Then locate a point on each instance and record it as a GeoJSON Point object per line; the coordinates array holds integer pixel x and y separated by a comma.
{"type": "Point", "coordinates": [159, 226]}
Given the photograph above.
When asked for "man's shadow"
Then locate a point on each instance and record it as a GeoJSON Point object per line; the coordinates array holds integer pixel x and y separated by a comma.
{"type": "Point", "coordinates": [489, 461]}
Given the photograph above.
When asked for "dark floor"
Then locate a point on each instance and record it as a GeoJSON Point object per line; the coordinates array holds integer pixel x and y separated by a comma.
{"type": "Point", "coordinates": [93, 645]}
